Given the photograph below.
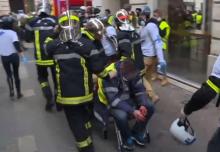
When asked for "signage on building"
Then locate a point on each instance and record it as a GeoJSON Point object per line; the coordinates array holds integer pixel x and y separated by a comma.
{"type": "Point", "coordinates": [61, 5]}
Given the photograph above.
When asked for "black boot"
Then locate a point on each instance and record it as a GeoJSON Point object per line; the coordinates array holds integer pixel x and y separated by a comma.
{"type": "Point", "coordinates": [49, 106]}
{"type": "Point", "coordinates": [11, 87]}
{"type": "Point", "coordinates": [18, 89]}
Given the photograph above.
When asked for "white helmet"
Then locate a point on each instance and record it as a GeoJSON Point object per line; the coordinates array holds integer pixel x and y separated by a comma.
{"type": "Point", "coordinates": [182, 131]}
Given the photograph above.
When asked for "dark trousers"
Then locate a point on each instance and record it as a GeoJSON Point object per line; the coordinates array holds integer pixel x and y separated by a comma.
{"type": "Point", "coordinates": [11, 66]}
{"type": "Point", "coordinates": [122, 117]}
{"type": "Point", "coordinates": [42, 72]}
{"type": "Point", "coordinates": [201, 97]}
{"type": "Point", "coordinates": [214, 143]}
{"type": "Point", "coordinates": [78, 118]}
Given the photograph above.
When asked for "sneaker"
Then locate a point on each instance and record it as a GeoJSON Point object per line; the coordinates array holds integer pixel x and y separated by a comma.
{"type": "Point", "coordinates": [139, 139]}
{"type": "Point", "coordinates": [128, 145]}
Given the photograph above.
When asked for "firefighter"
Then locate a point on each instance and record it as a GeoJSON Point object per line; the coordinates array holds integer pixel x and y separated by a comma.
{"type": "Point", "coordinates": [76, 58]}
{"type": "Point", "coordinates": [202, 97]}
{"type": "Point", "coordinates": [129, 43]}
{"type": "Point", "coordinates": [40, 28]}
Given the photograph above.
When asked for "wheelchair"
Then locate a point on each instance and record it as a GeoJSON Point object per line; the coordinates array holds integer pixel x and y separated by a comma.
{"type": "Point", "coordinates": [111, 121]}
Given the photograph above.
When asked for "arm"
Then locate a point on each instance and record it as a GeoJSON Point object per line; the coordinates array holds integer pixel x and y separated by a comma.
{"type": "Point", "coordinates": [124, 45]}
{"type": "Point", "coordinates": [113, 96]}
{"type": "Point", "coordinates": [139, 91]}
{"type": "Point", "coordinates": [16, 42]}
{"type": "Point", "coordinates": [157, 42]}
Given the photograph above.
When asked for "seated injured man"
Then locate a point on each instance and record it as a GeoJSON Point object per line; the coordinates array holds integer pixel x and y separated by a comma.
{"type": "Point", "coordinates": [127, 98]}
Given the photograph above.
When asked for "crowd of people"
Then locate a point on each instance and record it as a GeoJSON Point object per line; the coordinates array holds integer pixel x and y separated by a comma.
{"type": "Point", "coordinates": [110, 61]}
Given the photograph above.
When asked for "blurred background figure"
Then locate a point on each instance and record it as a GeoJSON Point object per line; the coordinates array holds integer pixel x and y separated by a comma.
{"type": "Point", "coordinates": [9, 50]}
{"type": "Point", "coordinates": [199, 19]}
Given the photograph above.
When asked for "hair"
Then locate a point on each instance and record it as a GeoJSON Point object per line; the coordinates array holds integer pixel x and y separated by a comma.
{"type": "Point", "coordinates": [158, 11]}
{"type": "Point", "coordinates": [128, 67]}
{"type": "Point", "coordinates": [108, 11]}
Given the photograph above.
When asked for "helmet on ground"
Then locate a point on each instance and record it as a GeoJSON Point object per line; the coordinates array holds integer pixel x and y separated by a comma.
{"type": "Point", "coordinates": [122, 21]}
{"type": "Point", "coordinates": [95, 28]}
{"type": "Point", "coordinates": [44, 7]}
{"type": "Point", "coordinates": [182, 131]}
{"type": "Point", "coordinates": [70, 26]}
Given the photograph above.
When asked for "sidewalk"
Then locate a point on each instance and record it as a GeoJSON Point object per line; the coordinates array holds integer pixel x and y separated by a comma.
{"type": "Point", "coordinates": [26, 127]}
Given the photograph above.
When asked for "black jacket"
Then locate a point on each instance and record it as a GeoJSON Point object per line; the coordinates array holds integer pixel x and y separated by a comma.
{"type": "Point", "coordinates": [75, 63]}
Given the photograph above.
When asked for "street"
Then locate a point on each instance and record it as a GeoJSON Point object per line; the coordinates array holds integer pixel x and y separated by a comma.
{"type": "Point", "coordinates": [26, 127]}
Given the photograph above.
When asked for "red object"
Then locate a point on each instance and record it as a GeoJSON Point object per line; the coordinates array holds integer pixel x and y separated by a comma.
{"type": "Point", "coordinates": [60, 5]}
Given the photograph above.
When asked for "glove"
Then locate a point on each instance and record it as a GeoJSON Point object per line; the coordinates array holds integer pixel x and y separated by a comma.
{"type": "Point", "coordinates": [162, 68]}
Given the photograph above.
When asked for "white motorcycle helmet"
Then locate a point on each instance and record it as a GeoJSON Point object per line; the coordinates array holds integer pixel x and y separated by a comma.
{"type": "Point", "coordinates": [182, 131]}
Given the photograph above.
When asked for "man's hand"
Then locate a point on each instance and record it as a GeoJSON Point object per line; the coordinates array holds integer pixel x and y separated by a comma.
{"type": "Point", "coordinates": [138, 115]}
{"type": "Point", "coordinates": [143, 110]}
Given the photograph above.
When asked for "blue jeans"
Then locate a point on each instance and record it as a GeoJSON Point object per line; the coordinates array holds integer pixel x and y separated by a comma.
{"type": "Point", "coordinates": [122, 117]}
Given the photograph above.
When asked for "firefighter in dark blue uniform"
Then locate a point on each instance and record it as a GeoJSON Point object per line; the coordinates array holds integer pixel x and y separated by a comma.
{"type": "Point", "coordinates": [77, 55]}
{"type": "Point", "coordinates": [40, 28]}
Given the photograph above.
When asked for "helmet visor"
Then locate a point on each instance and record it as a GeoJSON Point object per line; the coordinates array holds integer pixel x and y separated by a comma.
{"type": "Point", "coordinates": [70, 26]}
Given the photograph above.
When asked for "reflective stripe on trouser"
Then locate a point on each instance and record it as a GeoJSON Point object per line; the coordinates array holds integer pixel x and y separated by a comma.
{"type": "Point", "coordinates": [43, 80]}
{"type": "Point", "coordinates": [78, 117]}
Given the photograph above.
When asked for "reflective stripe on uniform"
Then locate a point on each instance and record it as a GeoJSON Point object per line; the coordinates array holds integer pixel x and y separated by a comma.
{"type": "Point", "coordinates": [42, 28]}
{"type": "Point", "coordinates": [139, 93]}
{"type": "Point", "coordinates": [65, 18]}
{"type": "Point", "coordinates": [124, 41]}
{"type": "Point", "coordinates": [213, 86]}
{"type": "Point", "coordinates": [45, 62]}
{"type": "Point", "coordinates": [94, 52]}
{"type": "Point", "coordinates": [86, 76]}
{"type": "Point", "coordinates": [111, 89]}
{"type": "Point", "coordinates": [124, 97]}
{"type": "Point", "coordinates": [115, 102]}
{"type": "Point", "coordinates": [101, 95]}
{"type": "Point", "coordinates": [37, 44]}
{"type": "Point", "coordinates": [66, 56]}
{"type": "Point", "coordinates": [88, 125]}
{"type": "Point", "coordinates": [89, 35]}
{"type": "Point", "coordinates": [48, 39]}
{"type": "Point", "coordinates": [44, 84]}
{"type": "Point", "coordinates": [74, 100]}
{"type": "Point", "coordinates": [84, 143]}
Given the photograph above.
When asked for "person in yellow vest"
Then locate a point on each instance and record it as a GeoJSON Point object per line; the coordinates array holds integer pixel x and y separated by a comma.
{"type": "Point", "coordinates": [164, 29]}
{"type": "Point", "coordinates": [194, 14]}
{"type": "Point", "coordinates": [109, 17]}
{"type": "Point", "coordinates": [199, 19]}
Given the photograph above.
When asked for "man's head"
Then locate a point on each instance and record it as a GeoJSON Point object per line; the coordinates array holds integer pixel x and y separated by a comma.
{"type": "Point", "coordinates": [145, 14]}
{"type": "Point", "coordinates": [138, 11]}
{"type": "Point", "coordinates": [70, 26]}
{"type": "Point", "coordinates": [122, 21]}
{"type": "Point", "coordinates": [157, 14]}
{"type": "Point", "coordinates": [96, 28]}
{"type": "Point", "coordinates": [128, 71]}
{"type": "Point", "coordinates": [44, 7]}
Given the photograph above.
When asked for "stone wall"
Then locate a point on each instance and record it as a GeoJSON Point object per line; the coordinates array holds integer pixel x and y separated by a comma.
{"type": "Point", "coordinates": [215, 35]}
{"type": "Point", "coordinates": [4, 7]}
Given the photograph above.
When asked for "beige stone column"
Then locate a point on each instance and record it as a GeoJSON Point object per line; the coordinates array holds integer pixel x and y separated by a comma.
{"type": "Point", "coordinates": [215, 35]}
{"type": "Point", "coordinates": [4, 7]}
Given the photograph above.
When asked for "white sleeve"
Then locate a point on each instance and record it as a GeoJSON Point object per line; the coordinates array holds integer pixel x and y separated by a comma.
{"type": "Point", "coordinates": [157, 42]}
{"type": "Point", "coordinates": [14, 36]}
{"type": "Point", "coordinates": [110, 31]}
